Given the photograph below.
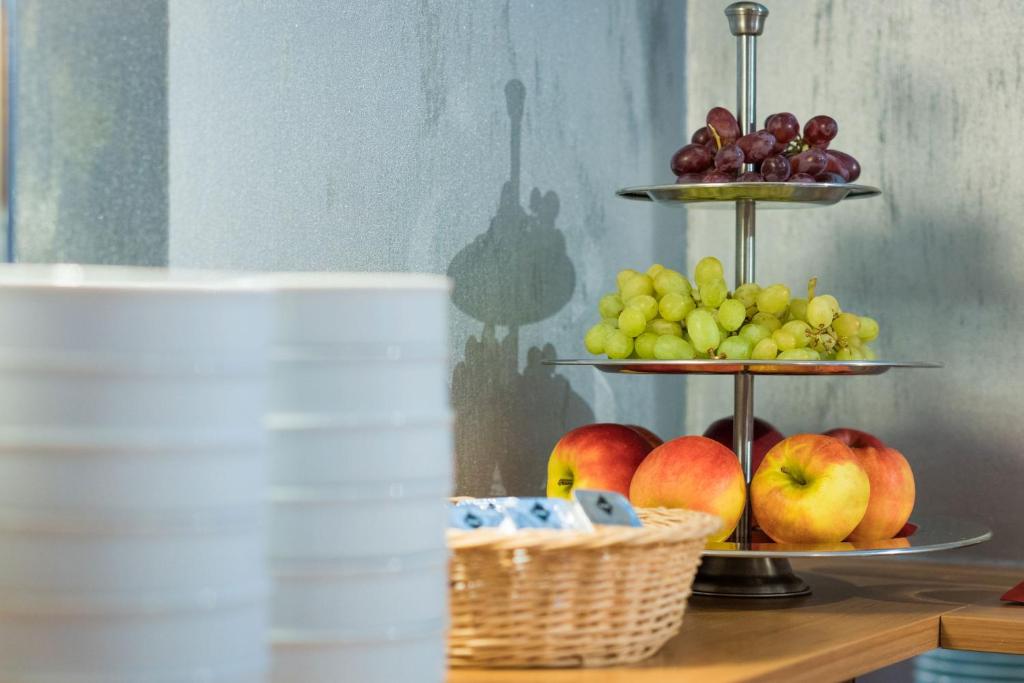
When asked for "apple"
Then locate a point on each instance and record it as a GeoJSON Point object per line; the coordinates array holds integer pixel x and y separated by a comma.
{"type": "Point", "coordinates": [810, 488]}
{"type": "Point", "coordinates": [599, 456]}
{"type": "Point", "coordinates": [765, 436]}
{"type": "Point", "coordinates": [854, 438]}
{"type": "Point", "coordinates": [696, 473]}
{"type": "Point", "coordinates": [651, 437]}
{"type": "Point", "coordinates": [892, 493]}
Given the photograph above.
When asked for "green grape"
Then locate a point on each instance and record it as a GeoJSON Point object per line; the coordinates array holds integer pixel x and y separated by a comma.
{"type": "Point", "coordinates": [637, 285]}
{"type": "Point", "coordinates": [846, 325]}
{"type": "Point", "coordinates": [731, 314]}
{"type": "Point", "coordinates": [810, 354]}
{"type": "Point", "coordinates": [647, 304]}
{"type": "Point", "coordinates": [623, 276]}
{"type": "Point", "coordinates": [708, 270]}
{"type": "Point", "coordinates": [703, 330]}
{"type": "Point", "coordinates": [712, 294]}
{"type": "Point", "coordinates": [669, 347]}
{"type": "Point", "coordinates": [653, 271]}
{"type": "Point", "coordinates": [614, 322]}
{"type": "Point", "coordinates": [798, 309]}
{"type": "Point", "coordinates": [795, 354]}
{"type": "Point", "coordinates": [595, 338]}
{"type": "Point", "coordinates": [766, 349]}
{"type": "Point", "coordinates": [660, 327]}
{"type": "Point", "coordinates": [767, 321]}
{"type": "Point", "coordinates": [844, 354]}
{"type": "Point", "coordinates": [773, 299]}
{"type": "Point", "coordinates": [784, 340]}
{"type": "Point", "coordinates": [869, 353]}
{"type": "Point", "coordinates": [675, 306]}
{"type": "Point", "coordinates": [832, 302]}
{"type": "Point", "coordinates": [868, 329]}
{"type": "Point", "coordinates": [820, 312]}
{"type": "Point", "coordinates": [632, 322]}
{"type": "Point", "coordinates": [799, 330]}
{"type": "Point", "coordinates": [735, 348]}
{"type": "Point", "coordinates": [618, 344]}
{"type": "Point", "coordinates": [644, 345]}
{"type": "Point", "coordinates": [610, 306]}
{"type": "Point", "coordinates": [754, 332]}
{"type": "Point", "coordinates": [747, 293]}
{"type": "Point", "coordinates": [669, 281]}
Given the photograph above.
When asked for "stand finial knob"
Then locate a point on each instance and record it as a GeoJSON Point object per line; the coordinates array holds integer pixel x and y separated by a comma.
{"type": "Point", "coordinates": [746, 18]}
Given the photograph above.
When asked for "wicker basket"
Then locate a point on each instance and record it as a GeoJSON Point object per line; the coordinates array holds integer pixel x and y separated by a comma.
{"type": "Point", "coordinates": [543, 598]}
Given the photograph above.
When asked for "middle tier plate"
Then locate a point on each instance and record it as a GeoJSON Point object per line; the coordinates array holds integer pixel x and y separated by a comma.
{"type": "Point", "coordinates": [744, 367]}
{"type": "Point", "coordinates": [768, 195]}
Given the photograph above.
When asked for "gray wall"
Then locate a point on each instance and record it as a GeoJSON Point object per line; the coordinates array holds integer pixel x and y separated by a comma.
{"type": "Point", "coordinates": [479, 139]}
{"type": "Point", "coordinates": [90, 169]}
{"type": "Point", "coordinates": [925, 95]}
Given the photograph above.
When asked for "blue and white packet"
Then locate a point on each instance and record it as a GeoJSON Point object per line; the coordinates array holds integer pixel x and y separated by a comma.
{"type": "Point", "coordinates": [606, 507]}
{"type": "Point", "coordinates": [511, 514]}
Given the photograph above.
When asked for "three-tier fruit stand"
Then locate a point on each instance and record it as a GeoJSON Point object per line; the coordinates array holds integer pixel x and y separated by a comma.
{"type": "Point", "coordinates": [743, 566]}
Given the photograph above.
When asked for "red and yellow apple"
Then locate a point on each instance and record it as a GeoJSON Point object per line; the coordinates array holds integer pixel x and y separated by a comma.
{"type": "Point", "coordinates": [599, 456]}
{"type": "Point", "coordinates": [695, 473]}
{"type": "Point", "coordinates": [650, 436]}
{"type": "Point", "coordinates": [854, 438]}
{"type": "Point", "coordinates": [765, 436]}
{"type": "Point", "coordinates": [810, 488]}
{"type": "Point", "coordinates": [892, 493]}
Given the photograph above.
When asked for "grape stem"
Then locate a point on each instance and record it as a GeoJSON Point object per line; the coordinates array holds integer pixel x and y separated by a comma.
{"type": "Point", "coordinates": [812, 285]}
{"type": "Point", "coordinates": [716, 136]}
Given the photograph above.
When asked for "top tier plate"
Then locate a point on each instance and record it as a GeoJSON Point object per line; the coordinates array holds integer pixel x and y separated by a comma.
{"type": "Point", "coordinates": [774, 195]}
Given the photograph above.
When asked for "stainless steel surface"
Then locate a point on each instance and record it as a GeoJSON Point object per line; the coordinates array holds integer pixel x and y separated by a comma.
{"type": "Point", "coordinates": [759, 577]}
{"type": "Point", "coordinates": [770, 195]}
{"type": "Point", "coordinates": [746, 18]}
{"type": "Point", "coordinates": [743, 440]}
{"type": "Point", "coordinates": [934, 533]}
{"type": "Point", "coordinates": [750, 367]}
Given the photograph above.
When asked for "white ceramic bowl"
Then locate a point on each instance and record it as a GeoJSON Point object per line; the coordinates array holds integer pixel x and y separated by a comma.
{"type": "Point", "coordinates": [53, 552]}
{"type": "Point", "coordinates": [404, 657]}
{"type": "Point", "coordinates": [359, 598]}
{"type": "Point", "coordinates": [303, 452]}
{"type": "Point", "coordinates": [125, 402]}
{"type": "Point", "coordinates": [136, 310]}
{"type": "Point", "coordinates": [129, 475]}
{"type": "Point", "coordinates": [224, 643]}
{"type": "Point", "coordinates": [359, 385]}
{"type": "Point", "coordinates": [314, 525]}
{"type": "Point", "coordinates": [360, 312]}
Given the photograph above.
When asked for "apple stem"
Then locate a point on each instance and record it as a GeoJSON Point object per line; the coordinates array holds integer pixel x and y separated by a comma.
{"type": "Point", "coordinates": [795, 477]}
{"type": "Point", "coordinates": [565, 482]}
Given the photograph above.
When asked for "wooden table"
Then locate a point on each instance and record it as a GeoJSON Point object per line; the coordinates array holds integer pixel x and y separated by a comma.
{"type": "Point", "coordinates": [862, 616]}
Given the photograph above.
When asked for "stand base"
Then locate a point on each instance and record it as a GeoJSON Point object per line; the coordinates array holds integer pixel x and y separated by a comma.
{"type": "Point", "coordinates": [749, 577]}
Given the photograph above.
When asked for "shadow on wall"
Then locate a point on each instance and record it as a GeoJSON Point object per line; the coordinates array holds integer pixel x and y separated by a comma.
{"type": "Point", "coordinates": [516, 273]}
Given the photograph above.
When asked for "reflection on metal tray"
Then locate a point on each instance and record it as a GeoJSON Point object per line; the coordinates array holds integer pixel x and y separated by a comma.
{"type": "Point", "coordinates": [932, 534]}
{"type": "Point", "coordinates": [774, 195]}
{"type": "Point", "coordinates": [744, 367]}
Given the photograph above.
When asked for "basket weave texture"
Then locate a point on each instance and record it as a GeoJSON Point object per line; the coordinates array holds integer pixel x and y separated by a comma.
{"type": "Point", "coordinates": [544, 598]}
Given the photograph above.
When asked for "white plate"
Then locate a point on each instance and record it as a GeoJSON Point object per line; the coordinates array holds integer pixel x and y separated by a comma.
{"type": "Point", "coordinates": [321, 598]}
{"type": "Point", "coordinates": [362, 452]}
{"type": "Point", "coordinates": [322, 529]}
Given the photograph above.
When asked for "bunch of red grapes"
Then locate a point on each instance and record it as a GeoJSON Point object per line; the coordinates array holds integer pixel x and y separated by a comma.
{"type": "Point", "coordinates": [717, 152]}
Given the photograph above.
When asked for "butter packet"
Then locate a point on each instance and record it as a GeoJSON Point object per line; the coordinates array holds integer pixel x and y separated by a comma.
{"type": "Point", "coordinates": [511, 513]}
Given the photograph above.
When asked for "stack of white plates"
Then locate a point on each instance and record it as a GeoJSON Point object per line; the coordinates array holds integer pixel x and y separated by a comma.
{"type": "Point", "coordinates": [132, 476]}
{"type": "Point", "coordinates": [361, 464]}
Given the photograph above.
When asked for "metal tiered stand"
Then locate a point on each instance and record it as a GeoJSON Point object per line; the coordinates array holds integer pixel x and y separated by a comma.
{"type": "Point", "coordinates": [744, 567]}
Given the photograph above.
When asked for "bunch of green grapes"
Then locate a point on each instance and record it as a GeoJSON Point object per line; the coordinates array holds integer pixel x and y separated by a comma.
{"type": "Point", "coordinates": [658, 314]}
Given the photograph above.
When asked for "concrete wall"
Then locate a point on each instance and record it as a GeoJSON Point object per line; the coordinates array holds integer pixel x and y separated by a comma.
{"type": "Point", "coordinates": [90, 169]}
{"type": "Point", "coordinates": [925, 95]}
{"type": "Point", "coordinates": [479, 139]}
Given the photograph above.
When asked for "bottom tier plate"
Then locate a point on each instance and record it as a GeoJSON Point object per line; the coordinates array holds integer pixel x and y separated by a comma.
{"type": "Point", "coordinates": [931, 535]}
{"type": "Point", "coordinates": [743, 367]}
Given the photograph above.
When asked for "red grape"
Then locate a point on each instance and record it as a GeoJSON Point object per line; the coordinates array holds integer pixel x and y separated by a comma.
{"type": "Point", "coordinates": [725, 124]}
{"type": "Point", "coordinates": [776, 169]}
{"type": "Point", "coordinates": [833, 165]}
{"type": "Point", "coordinates": [688, 178]}
{"type": "Point", "coordinates": [851, 165]}
{"type": "Point", "coordinates": [719, 177]}
{"type": "Point", "coordinates": [829, 178]}
{"type": "Point", "coordinates": [701, 136]}
{"type": "Point", "coordinates": [801, 178]}
{"type": "Point", "coordinates": [811, 162]}
{"type": "Point", "coordinates": [750, 177]}
{"type": "Point", "coordinates": [783, 126]}
{"type": "Point", "coordinates": [819, 131]}
{"type": "Point", "coordinates": [691, 158]}
{"type": "Point", "coordinates": [756, 146]}
{"type": "Point", "coordinates": [729, 158]}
